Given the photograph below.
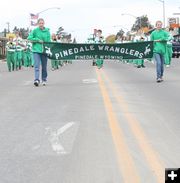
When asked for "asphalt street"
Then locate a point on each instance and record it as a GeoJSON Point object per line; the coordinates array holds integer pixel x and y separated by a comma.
{"type": "Point", "coordinates": [89, 125]}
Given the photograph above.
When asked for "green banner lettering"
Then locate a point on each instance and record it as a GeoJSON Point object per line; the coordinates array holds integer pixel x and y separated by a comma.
{"type": "Point", "coordinates": [68, 51]}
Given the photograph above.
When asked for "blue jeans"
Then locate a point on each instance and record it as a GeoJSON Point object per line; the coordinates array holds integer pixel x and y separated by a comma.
{"type": "Point", "coordinates": [40, 59]}
{"type": "Point", "coordinates": [159, 58]}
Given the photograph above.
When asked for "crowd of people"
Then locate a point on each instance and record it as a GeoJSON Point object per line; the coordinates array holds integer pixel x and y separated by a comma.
{"type": "Point", "coordinates": [29, 53]}
{"type": "Point", "coordinates": [97, 37]}
{"type": "Point", "coordinates": [18, 53]}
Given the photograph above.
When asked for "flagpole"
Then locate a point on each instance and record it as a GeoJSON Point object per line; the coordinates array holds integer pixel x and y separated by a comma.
{"type": "Point", "coordinates": [37, 14]}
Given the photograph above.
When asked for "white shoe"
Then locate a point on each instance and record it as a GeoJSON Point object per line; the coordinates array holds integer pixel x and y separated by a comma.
{"type": "Point", "coordinates": [36, 83]}
{"type": "Point", "coordinates": [44, 83]}
{"type": "Point", "coordinates": [167, 65]}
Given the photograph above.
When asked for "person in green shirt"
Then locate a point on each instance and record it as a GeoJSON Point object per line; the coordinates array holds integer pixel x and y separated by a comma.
{"type": "Point", "coordinates": [37, 37]}
{"type": "Point", "coordinates": [160, 38]}
{"type": "Point", "coordinates": [10, 56]}
{"type": "Point", "coordinates": [27, 54]}
{"type": "Point", "coordinates": [169, 51]}
{"type": "Point", "coordinates": [139, 63]}
{"type": "Point", "coordinates": [19, 50]}
{"type": "Point", "coordinates": [99, 39]}
{"type": "Point", "coordinates": [54, 63]}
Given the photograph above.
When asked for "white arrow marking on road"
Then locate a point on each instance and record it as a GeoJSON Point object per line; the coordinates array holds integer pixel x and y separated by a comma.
{"type": "Point", "coordinates": [55, 135]}
{"type": "Point", "coordinates": [64, 128]}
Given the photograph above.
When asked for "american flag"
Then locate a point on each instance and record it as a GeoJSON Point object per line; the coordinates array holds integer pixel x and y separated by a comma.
{"type": "Point", "coordinates": [33, 16]}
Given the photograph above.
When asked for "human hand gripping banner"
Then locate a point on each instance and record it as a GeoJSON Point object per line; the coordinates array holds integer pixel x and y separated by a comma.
{"type": "Point", "coordinates": [69, 51]}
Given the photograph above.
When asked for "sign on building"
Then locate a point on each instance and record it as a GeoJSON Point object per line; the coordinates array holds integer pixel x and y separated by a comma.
{"type": "Point", "coordinates": [173, 22]}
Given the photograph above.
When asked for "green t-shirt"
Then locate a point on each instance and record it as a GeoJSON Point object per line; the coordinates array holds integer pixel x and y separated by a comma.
{"type": "Point", "coordinates": [39, 35]}
{"type": "Point", "coordinates": [159, 47]}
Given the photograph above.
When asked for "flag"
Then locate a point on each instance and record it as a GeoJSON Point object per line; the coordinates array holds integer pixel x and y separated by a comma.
{"type": "Point", "coordinates": [33, 16]}
{"type": "Point", "coordinates": [33, 23]}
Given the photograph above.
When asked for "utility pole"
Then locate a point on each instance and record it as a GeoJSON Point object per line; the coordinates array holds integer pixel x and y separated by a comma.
{"type": "Point", "coordinates": [162, 1]}
{"type": "Point", "coordinates": [8, 25]}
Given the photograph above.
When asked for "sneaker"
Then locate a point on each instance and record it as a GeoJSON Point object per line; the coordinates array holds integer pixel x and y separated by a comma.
{"type": "Point", "coordinates": [158, 80]}
{"type": "Point", "coordinates": [36, 83]}
{"type": "Point", "coordinates": [167, 65]}
{"type": "Point", "coordinates": [161, 79]}
{"type": "Point", "coordinates": [44, 83]}
{"type": "Point", "coordinates": [139, 66]}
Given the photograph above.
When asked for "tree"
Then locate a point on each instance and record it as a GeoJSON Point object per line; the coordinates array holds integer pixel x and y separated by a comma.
{"type": "Point", "coordinates": [22, 31]}
{"type": "Point", "coordinates": [15, 29]}
{"type": "Point", "coordinates": [64, 36]}
{"type": "Point", "coordinates": [120, 33]}
{"type": "Point", "coordinates": [140, 23]}
{"type": "Point", "coordinates": [60, 30]}
{"type": "Point", "coordinates": [111, 39]}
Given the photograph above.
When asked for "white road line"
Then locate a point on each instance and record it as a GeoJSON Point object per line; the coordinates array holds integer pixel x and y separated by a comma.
{"type": "Point", "coordinates": [91, 80]}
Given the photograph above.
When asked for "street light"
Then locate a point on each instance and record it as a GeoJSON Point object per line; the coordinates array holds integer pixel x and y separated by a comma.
{"type": "Point", "coordinates": [162, 1]}
{"type": "Point", "coordinates": [129, 15]}
{"type": "Point", "coordinates": [48, 9]}
{"type": "Point", "coordinates": [120, 26]}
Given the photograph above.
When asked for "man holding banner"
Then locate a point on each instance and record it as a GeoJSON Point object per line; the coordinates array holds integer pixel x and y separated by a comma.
{"type": "Point", "coordinates": [37, 37]}
{"type": "Point", "coordinates": [160, 38]}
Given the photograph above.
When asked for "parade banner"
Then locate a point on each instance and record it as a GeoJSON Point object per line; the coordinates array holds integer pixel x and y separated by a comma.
{"type": "Point", "coordinates": [69, 51]}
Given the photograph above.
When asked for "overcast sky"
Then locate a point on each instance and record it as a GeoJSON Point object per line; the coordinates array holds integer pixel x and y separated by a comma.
{"type": "Point", "coordinates": [80, 17]}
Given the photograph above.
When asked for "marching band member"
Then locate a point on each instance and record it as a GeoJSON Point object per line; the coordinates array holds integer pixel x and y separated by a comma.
{"type": "Point", "coordinates": [54, 63]}
{"type": "Point", "coordinates": [28, 54]}
{"type": "Point", "coordinates": [19, 50]}
{"type": "Point", "coordinates": [169, 50]}
{"type": "Point", "coordinates": [11, 56]}
{"type": "Point", "coordinates": [99, 39]}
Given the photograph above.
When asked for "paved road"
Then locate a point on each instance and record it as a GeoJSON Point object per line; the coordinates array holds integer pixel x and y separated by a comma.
{"type": "Point", "coordinates": [89, 126]}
